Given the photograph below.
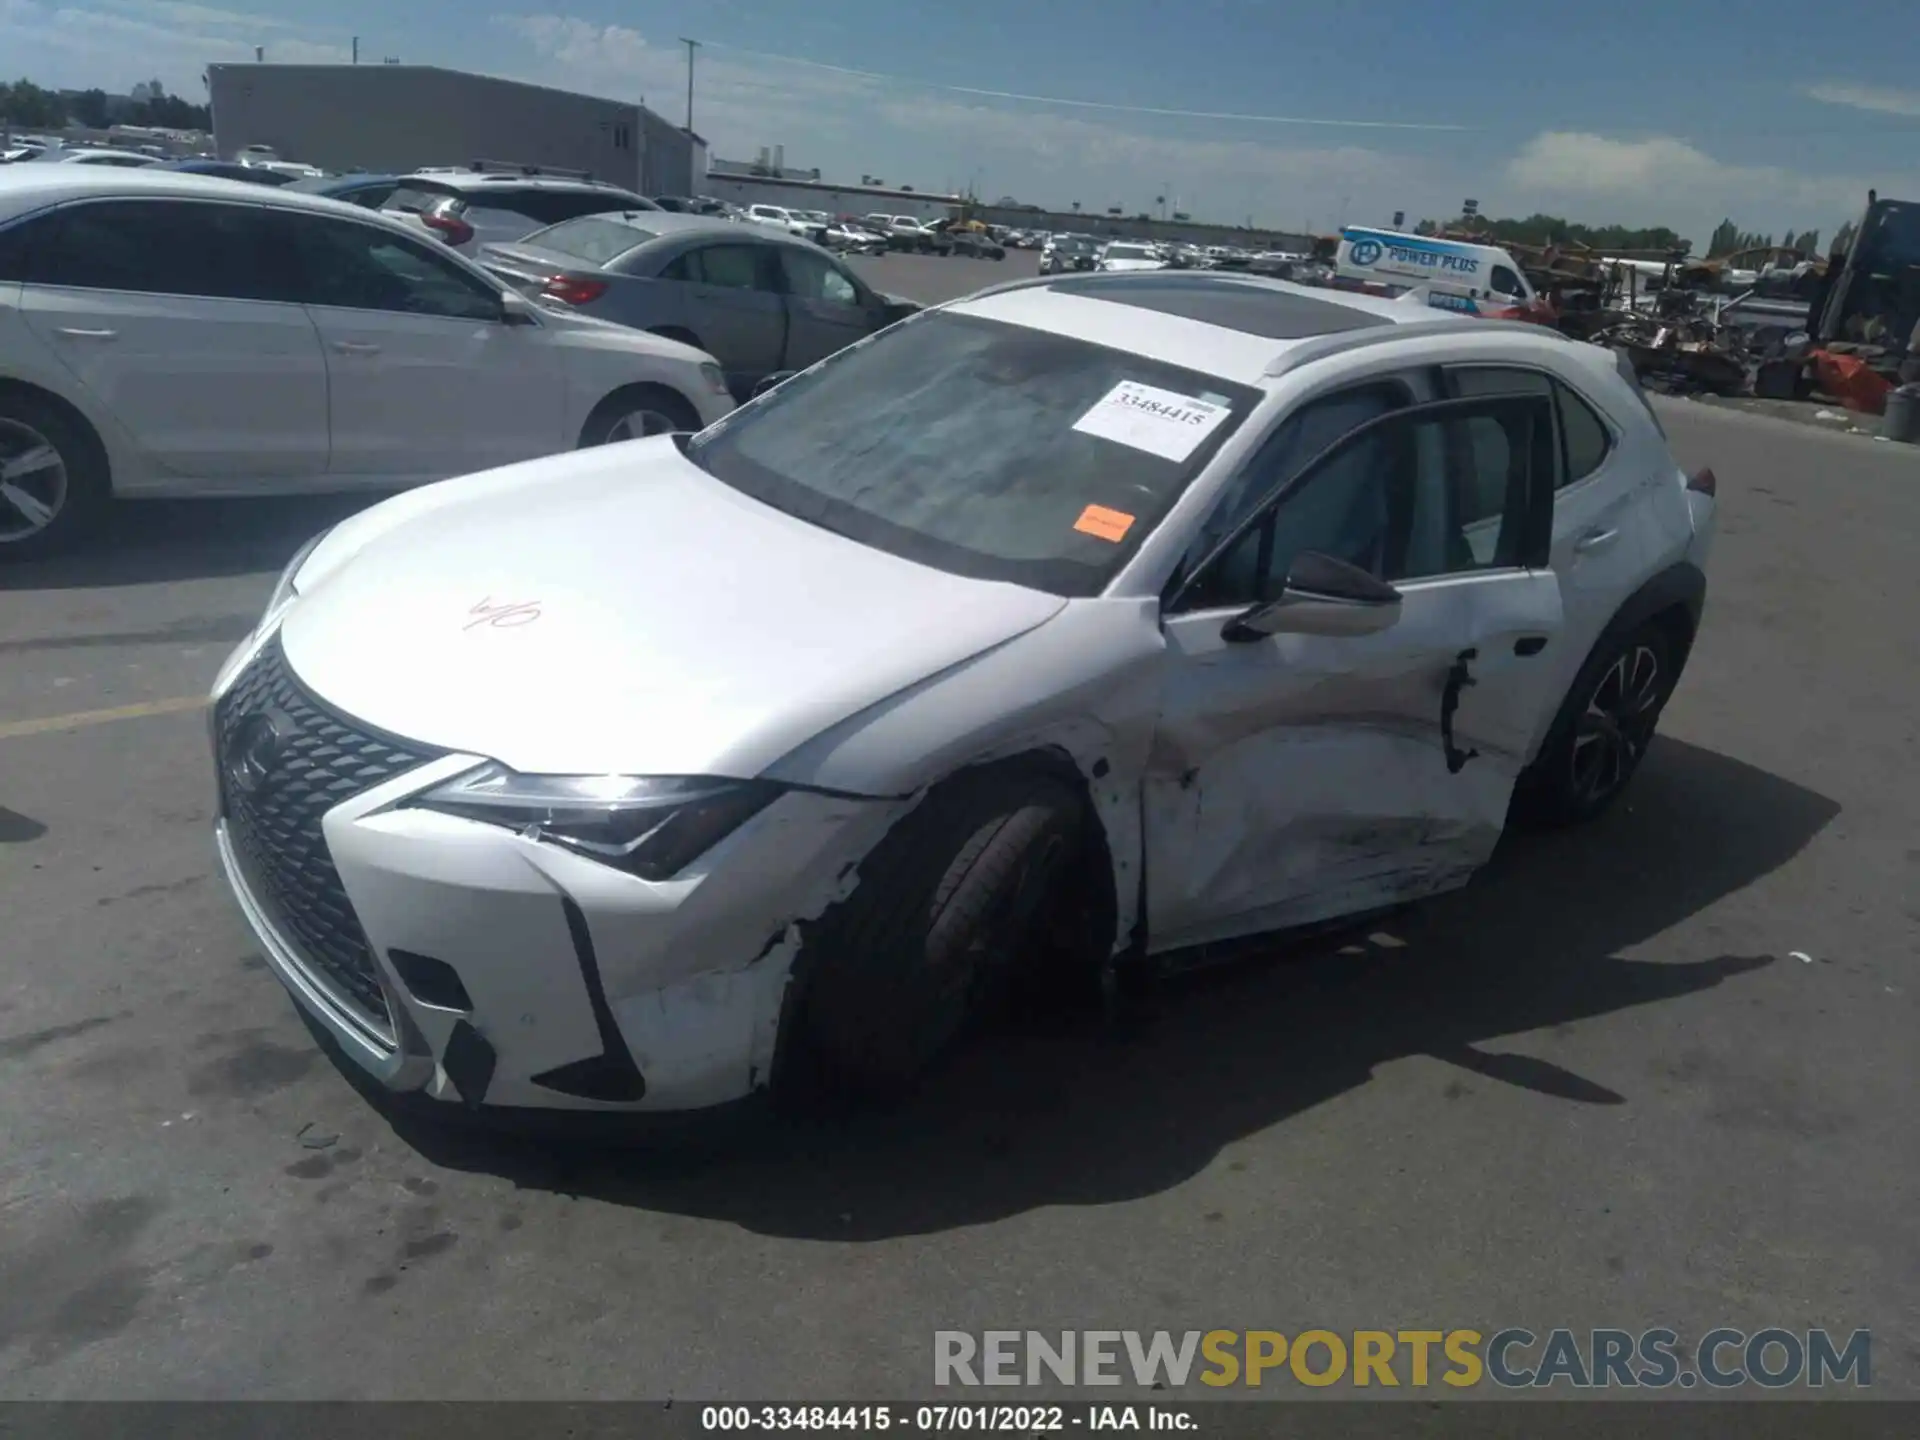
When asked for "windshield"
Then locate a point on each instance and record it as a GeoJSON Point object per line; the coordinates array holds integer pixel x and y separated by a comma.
{"type": "Point", "coordinates": [980, 448]}
{"type": "Point", "coordinates": [1129, 252]}
{"type": "Point", "coordinates": [592, 238]}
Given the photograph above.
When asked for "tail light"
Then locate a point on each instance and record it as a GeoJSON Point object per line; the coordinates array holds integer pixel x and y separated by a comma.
{"type": "Point", "coordinates": [573, 289]}
{"type": "Point", "coordinates": [450, 228]}
{"type": "Point", "coordinates": [1702, 482]}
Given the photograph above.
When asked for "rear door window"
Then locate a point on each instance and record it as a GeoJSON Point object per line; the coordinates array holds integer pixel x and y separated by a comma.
{"type": "Point", "coordinates": [730, 267]}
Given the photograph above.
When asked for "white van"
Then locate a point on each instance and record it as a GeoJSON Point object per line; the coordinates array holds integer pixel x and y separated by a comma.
{"type": "Point", "coordinates": [1476, 279]}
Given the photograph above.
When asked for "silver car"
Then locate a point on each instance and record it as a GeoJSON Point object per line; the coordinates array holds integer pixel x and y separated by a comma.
{"type": "Point", "coordinates": [758, 300]}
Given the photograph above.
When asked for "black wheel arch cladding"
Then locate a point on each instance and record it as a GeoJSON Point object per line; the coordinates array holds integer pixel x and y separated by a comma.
{"type": "Point", "coordinates": [1093, 866]}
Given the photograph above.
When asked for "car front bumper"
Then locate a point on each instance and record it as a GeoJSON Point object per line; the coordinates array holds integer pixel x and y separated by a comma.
{"type": "Point", "coordinates": [469, 963]}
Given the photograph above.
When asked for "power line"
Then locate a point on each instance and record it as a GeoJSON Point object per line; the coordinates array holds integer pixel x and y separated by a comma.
{"type": "Point", "coordinates": [1087, 104]}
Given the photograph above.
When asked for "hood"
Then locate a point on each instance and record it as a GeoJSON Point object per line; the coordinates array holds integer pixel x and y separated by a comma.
{"type": "Point", "coordinates": [616, 610]}
{"type": "Point", "coordinates": [1118, 265]}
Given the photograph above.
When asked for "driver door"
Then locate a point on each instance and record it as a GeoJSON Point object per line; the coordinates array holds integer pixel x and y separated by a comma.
{"type": "Point", "coordinates": [1362, 751]}
{"type": "Point", "coordinates": [425, 378]}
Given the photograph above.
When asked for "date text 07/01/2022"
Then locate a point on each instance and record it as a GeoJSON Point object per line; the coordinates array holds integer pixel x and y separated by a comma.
{"type": "Point", "coordinates": [939, 1419]}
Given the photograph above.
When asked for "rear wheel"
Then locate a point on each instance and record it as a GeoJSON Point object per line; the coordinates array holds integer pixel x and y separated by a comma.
{"type": "Point", "coordinates": [1602, 731]}
{"type": "Point", "coordinates": [636, 413]}
{"type": "Point", "coordinates": [53, 478]}
{"type": "Point", "coordinates": [947, 908]}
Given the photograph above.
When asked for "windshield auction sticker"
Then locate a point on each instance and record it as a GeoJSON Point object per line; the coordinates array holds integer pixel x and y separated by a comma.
{"type": "Point", "coordinates": [1158, 421]}
{"type": "Point", "coordinates": [1099, 521]}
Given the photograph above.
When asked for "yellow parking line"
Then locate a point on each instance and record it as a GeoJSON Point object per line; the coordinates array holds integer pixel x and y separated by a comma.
{"type": "Point", "coordinates": [80, 719]}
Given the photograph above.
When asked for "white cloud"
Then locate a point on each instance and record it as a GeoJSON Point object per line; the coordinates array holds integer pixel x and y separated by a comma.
{"type": "Point", "coordinates": [117, 43]}
{"type": "Point", "coordinates": [848, 122]}
{"type": "Point", "coordinates": [1664, 179]}
{"type": "Point", "coordinates": [1880, 99]}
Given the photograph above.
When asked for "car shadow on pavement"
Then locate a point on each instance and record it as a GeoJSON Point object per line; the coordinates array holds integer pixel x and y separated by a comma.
{"type": "Point", "coordinates": [149, 542]}
{"type": "Point", "coordinates": [1094, 1113]}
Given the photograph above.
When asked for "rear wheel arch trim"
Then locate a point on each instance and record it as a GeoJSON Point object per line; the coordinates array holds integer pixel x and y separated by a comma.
{"type": "Point", "coordinates": [1675, 596]}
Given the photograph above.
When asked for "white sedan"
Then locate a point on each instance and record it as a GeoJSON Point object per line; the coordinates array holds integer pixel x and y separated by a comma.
{"type": "Point", "coordinates": [1055, 630]}
{"type": "Point", "coordinates": [168, 333]}
{"type": "Point", "coordinates": [1121, 257]}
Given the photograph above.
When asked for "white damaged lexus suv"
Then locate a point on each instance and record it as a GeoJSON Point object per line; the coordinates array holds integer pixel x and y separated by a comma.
{"type": "Point", "coordinates": [1078, 622]}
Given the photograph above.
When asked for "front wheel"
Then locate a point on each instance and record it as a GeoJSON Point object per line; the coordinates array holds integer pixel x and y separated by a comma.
{"type": "Point", "coordinates": [947, 909]}
{"type": "Point", "coordinates": [636, 413]}
{"type": "Point", "coordinates": [1602, 731]}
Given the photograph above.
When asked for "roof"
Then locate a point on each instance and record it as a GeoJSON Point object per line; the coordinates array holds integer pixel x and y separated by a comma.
{"type": "Point", "coordinates": [511, 180]}
{"type": "Point", "coordinates": [401, 74]}
{"type": "Point", "coordinates": [24, 188]}
{"type": "Point", "coordinates": [1233, 326]}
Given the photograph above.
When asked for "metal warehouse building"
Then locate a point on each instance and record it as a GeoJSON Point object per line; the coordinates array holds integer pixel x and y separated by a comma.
{"type": "Point", "coordinates": [395, 118]}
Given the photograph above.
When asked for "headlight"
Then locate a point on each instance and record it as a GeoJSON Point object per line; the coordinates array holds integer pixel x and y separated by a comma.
{"type": "Point", "coordinates": [649, 826]}
{"type": "Point", "coordinates": [284, 592]}
{"type": "Point", "coordinates": [716, 378]}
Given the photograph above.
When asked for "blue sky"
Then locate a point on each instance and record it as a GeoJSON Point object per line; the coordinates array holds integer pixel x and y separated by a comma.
{"type": "Point", "coordinates": [1634, 111]}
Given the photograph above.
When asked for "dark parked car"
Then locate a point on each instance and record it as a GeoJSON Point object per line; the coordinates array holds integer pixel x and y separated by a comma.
{"type": "Point", "coordinates": [691, 204]}
{"type": "Point", "coordinates": [760, 301]}
{"type": "Point", "coordinates": [370, 192]}
{"type": "Point", "coordinates": [228, 170]}
{"type": "Point", "coordinates": [951, 239]}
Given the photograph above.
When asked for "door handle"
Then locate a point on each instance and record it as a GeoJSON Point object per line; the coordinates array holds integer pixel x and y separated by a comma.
{"type": "Point", "coordinates": [356, 347]}
{"type": "Point", "coordinates": [1529, 645]}
{"type": "Point", "coordinates": [1594, 540]}
{"type": "Point", "coordinates": [73, 333]}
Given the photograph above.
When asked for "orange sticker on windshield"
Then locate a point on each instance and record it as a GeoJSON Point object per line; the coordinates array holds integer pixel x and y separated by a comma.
{"type": "Point", "coordinates": [1106, 524]}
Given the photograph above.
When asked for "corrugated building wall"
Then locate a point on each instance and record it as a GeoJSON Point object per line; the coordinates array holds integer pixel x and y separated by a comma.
{"type": "Point", "coordinates": [395, 118]}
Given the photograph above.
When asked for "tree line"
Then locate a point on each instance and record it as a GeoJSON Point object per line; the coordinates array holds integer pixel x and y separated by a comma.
{"type": "Point", "coordinates": [1727, 238]}
{"type": "Point", "coordinates": [34, 107]}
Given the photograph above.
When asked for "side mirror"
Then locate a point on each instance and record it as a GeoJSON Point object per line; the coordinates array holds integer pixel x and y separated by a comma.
{"type": "Point", "coordinates": [516, 309]}
{"type": "Point", "coordinates": [768, 382]}
{"type": "Point", "coordinates": [1323, 596]}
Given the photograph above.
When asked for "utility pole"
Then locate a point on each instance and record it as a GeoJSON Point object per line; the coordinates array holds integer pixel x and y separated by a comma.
{"type": "Point", "coordinates": [356, 49]}
{"type": "Point", "coordinates": [692, 45]}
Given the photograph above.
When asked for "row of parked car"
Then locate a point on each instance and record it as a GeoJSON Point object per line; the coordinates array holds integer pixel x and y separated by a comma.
{"type": "Point", "coordinates": [164, 332]}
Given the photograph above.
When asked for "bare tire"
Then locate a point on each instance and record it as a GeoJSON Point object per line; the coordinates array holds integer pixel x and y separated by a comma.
{"type": "Point", "coordinates": [636, 413]}
{"type": "Point", "coordinates": [1602, 731]}
{"type": "Point", "coordinates": [53, 478]}
{"type": "Point", "coordinates": [946, 907]}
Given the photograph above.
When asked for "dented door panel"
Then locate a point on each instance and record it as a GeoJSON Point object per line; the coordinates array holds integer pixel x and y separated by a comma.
{"type": "Point", "coordinates": [1302, 777]}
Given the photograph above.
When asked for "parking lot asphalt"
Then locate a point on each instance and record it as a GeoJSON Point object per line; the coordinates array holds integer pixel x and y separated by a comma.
{"type": "Point", "coordinates": [1598, 1087]}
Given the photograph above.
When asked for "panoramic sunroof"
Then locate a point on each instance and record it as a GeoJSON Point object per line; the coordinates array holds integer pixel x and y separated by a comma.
{"type": "Point", "coordinates": [1213, 300]}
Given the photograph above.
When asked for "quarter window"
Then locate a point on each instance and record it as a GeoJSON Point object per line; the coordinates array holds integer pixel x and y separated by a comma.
{"type": "Point", "coordinates": [1587, 439]}
{"type": "Point", "coordinates": [164, 247]}
{"type": "Point", "coordinates": [362, 267]}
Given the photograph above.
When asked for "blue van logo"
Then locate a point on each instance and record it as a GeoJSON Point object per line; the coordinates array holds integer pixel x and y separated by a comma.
{"type": "Point", "coordinates": [1365, 252]}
